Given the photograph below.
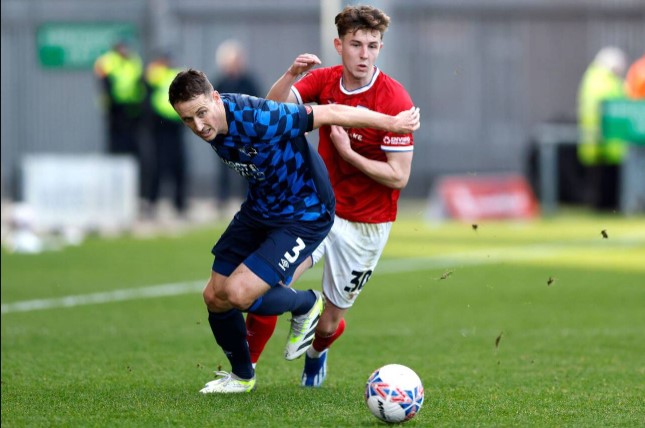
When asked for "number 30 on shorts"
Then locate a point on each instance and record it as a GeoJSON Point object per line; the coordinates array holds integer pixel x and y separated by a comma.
{"type": "Point", "coordinates": [358, 281]}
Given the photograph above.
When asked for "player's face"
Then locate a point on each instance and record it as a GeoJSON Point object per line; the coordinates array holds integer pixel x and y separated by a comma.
{"type": "Point", "coordinates": [204, 115]}
{"type": "Point", "coordinates": [358, 52]}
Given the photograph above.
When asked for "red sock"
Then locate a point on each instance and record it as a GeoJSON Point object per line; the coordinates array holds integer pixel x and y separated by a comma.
{"type": "Point", "coordinates": [322, 343]}
{"type": "Point", "coordinates": [259, 329]}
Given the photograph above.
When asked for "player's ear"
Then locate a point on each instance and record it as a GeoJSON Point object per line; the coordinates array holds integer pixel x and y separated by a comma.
{"type": "Point", "coordinates": [338, 45]}
{"type": "Point", "coordinates": [216, 96]}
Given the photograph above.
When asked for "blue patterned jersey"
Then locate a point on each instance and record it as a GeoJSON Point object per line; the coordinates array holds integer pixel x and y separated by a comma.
{"type": "Point", "coordinates": [266, 144]}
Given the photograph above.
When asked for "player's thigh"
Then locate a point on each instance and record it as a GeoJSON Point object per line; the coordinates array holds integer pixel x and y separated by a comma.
{"type": "Point", "coordinates": [244, 286]}
{"type": "Point", "coordinates": [242, 237]}
{"type": "Point", "coordinates": [232, 280]}
{"type": "Point", "coordinates": [352, 252]}
{"type": "Point", "coordinates": [286, 251]}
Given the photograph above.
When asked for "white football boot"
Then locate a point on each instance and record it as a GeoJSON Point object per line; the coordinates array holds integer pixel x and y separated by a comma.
{"type": "Point", "coordinates": [303, 328]}
{"type": "Point", "coordinates": [228, 383]}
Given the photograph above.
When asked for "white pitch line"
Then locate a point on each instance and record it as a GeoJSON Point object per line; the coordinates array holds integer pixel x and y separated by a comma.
{"type": "Point", "coordinates": [106, 297]}
{"type": "Point", "coordinates": [386, 266]}
{"type": "Point", "coordinates": [174, 289]}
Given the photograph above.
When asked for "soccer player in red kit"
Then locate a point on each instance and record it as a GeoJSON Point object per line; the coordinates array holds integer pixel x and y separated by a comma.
{"type": "Point", "coordinates": [367, 167]}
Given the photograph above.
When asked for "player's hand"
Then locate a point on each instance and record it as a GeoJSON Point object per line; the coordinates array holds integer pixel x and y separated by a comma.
{"type": "Point", "coordinates": [407, 121]}
{"type": "Point", "coordinates": [340, 138]}
{"type": "Point", "coordinates": [304, 62]}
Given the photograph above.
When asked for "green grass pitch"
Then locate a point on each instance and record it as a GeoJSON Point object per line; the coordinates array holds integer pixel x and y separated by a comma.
{"type": "Point", "coordinates": [539, 323]}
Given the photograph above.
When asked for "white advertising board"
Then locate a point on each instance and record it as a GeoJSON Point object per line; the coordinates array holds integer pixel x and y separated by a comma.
{"type": "Point", "coordinates": [81, 191]}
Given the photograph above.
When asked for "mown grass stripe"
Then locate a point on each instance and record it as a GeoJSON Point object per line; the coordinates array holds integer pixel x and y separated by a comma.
{"type": "Point", "coordinates": [386, 266]}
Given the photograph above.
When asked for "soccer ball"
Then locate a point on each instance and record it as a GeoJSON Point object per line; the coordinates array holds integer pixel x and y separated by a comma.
{"type": "Point", "coordinates": [394, 393]}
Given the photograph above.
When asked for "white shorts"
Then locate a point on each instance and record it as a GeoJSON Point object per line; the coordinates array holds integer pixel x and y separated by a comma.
{"type": "Point", "coordinates": [351, 252]}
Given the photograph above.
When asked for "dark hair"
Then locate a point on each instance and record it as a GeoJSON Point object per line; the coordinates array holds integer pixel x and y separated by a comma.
{"type": "Point", "coordinates": [354, 18]}
{"type": "Point", "coordinates": [188, 84]}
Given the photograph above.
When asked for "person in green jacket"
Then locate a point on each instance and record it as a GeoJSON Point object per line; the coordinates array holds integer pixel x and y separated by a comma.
{"type": "Point", "coordinates": [603, 80]}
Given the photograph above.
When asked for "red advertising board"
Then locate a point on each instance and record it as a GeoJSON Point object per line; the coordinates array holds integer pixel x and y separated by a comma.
{"type": "Point", "coordinates": [487, 197]}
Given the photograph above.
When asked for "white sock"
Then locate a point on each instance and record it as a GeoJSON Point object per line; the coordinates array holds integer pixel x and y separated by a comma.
{"type": "Point", "coordinates": [312, 353]}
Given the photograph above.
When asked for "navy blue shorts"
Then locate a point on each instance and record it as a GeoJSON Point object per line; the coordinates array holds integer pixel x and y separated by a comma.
{"type": "Point", "coordinates": [271, 249]}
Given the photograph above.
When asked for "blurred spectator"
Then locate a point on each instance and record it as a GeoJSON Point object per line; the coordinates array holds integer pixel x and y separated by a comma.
{"type": "Point", "coordinates": [232, 76]}
{"type": "Point", "coordinates": [168, 154]}
{"type": "Point", "coordinates": [603, 80]}
{"type": "Point", "coordinates": [120, 71]}
{"type": "Point", "coordinates": [635, 80]}
{"type": "Point", "coordinates": [571, 184]}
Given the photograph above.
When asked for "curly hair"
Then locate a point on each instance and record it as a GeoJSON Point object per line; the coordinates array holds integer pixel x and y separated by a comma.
{"type": "Point", "coordinates": [354, 18]}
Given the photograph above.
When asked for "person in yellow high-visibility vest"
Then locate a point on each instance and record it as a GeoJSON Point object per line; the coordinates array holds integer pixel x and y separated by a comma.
{"type": "Point", "coordinates": [603, 80]}
{"type": "Point", "coordinates": [120, 71]}
{"type": "Point", "coordinates": [167, 129]}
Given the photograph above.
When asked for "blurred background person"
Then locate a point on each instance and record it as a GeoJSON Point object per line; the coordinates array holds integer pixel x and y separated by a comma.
{"type": "Point", "coordinates": [120, 71]}
{"type": "Point", "coordinates": [232, 76]}
{"type": "Point", "coordinates": [167, 152]}
{"type": "Point", "coordinates": [635, 79]}
{"type": "Point", "coordinates": [603, 80]}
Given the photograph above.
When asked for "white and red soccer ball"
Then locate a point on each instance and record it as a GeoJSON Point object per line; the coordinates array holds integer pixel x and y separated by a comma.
{"type": "Point", "coordinates": [394, 393]}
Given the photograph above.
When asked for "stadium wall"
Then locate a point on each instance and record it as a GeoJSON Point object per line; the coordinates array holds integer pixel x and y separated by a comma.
{"type": "Point", "coordinates": [484, 72]}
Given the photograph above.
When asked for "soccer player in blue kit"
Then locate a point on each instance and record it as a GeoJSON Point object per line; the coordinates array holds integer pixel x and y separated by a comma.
{"type": "Point", "coordinates": [288, 211]}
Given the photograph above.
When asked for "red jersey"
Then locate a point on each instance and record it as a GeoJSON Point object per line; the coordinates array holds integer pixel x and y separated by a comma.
{"type": "Point", "coordinates": [358, 197]}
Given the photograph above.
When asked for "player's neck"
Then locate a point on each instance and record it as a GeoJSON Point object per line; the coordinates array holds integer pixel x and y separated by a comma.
{"type": "Point", "coordinates": [222, 126]}
{"type": "Point", "coordinates": [351, 83]}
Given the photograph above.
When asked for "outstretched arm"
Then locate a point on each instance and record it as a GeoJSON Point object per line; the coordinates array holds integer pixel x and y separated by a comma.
{"type": "Point", "coordinates": [351, 117]}
{"type": "Point", "coordinates": [281, 89]}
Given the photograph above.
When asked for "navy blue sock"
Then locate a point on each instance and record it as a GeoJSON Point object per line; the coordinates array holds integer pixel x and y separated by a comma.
{"type": "Point", "coordinates": [229, 329]}
{"type": "Point", "coordinates": [280, 299]}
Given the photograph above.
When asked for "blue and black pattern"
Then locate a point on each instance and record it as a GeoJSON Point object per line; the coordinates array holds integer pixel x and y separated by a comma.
{"type": "Point", "coordinates": [266, 144]}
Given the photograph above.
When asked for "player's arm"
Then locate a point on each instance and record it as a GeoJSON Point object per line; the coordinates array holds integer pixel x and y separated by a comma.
{"type": "Point", "coordinates": [394, 173]}
{"type": "Point", "coordinates": [351, 117]}
{"type": "Point", "coordinates": [281, 89]}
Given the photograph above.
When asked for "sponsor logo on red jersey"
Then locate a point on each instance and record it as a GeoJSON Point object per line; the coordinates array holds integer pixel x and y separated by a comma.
{"type": "Point", "coordinates": [397, 141]}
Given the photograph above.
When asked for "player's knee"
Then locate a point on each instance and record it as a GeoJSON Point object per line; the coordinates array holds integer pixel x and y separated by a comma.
{"type": "Point", "coordinates": [238, 297]}
{"type": "Point", "coordinates": [239, 301]}
{"type": "Point", "coordinates": [215, 300]}
{"type": "Point", "coordinates": [211, 300]}
{"type": "Point", "coordinates": [209, 296]}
